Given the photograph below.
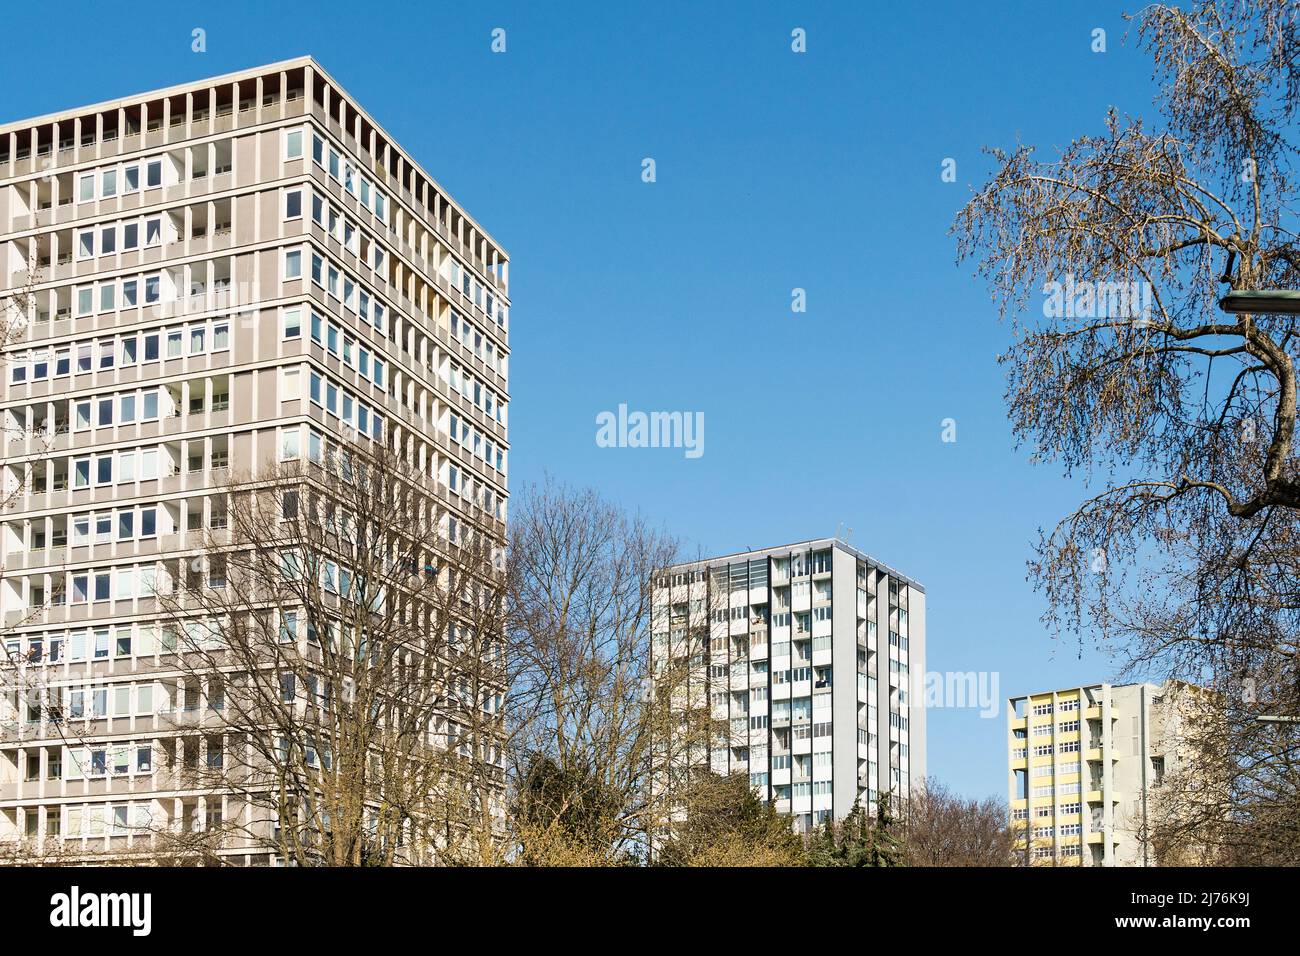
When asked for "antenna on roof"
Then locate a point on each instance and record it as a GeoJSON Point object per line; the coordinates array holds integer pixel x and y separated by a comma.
{"type": "Point", "coordinates": [842, 534]}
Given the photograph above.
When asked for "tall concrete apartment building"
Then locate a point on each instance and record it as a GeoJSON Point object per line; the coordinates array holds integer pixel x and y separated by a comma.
{"type": "Point", "coordinates": [1084, 763]}
{"type": "Point", "coordinates": [240, 270]}
{"type": "Point", "coordinates": [804, 652]}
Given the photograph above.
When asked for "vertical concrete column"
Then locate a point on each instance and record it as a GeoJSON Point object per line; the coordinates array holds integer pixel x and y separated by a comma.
{"type": "Point", "coordinates": [1107, 814]}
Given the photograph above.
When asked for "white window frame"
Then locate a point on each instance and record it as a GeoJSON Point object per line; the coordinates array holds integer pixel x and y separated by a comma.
{"type": "Point", "coordinates": [289, 133]}
{"type": "Point", "coordinates": [290, 254]}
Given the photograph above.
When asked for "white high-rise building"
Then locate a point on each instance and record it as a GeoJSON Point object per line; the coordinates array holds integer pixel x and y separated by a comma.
{"type": "Point", "coordinates": [805, 652]}
{"type": "Point", "coordinates": [238, 270]}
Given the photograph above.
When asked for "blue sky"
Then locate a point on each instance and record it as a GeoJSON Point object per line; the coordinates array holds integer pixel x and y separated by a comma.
{"type": "Point", "coordinates": [774, 171]}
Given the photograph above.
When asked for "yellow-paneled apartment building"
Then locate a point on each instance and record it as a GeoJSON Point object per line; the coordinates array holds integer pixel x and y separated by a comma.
{"type": "Point", "coordinates": [1084, 763]}
{"type": "Point", "coordinates": [238, 270]}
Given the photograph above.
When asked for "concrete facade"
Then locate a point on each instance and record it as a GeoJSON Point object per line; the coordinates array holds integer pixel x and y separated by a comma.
{"type": "Point", "coordinates": [807, 660]}
{"type": "Point", "coordinates": [224, 273]}
{"type": "Point", "coordinates": [1083, 765]}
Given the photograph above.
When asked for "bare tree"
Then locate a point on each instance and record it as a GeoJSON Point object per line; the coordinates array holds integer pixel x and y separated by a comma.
{"type": "Point", "coordinates": [602, 736]}
{"type": "Point", "coordinates": [1231, 798]}
{"type": "Point", "coordinates": [1188, 557]}
{"type": "Point", "coordinates": [941, 828]}
{"type": "Point", "coordinates": [339, 682]}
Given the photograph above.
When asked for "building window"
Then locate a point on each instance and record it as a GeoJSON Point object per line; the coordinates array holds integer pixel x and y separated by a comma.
{"type": "Point", "coordinates": [291, 324]}
{"type": "Point", "coordinates": [289, 442]}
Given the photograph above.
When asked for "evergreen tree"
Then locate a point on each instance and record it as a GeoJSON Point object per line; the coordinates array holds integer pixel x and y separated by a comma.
{"type": "Point", "coordinates": [857, 840]}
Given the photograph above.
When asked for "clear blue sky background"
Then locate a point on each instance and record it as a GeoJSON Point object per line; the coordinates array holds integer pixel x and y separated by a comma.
{"type": "Point", "coordinates": [775, 171]}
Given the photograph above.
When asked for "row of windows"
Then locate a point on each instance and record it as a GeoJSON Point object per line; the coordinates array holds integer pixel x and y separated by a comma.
{"type": "Point", "coordinates": [118, 761]}
{"type": "Point", "coordinates": [1065, 706]}
{"type": "Point", "coordinates": [481, 495]}
{"type": "Point", "coordinates": [330, 575]}
{"type": "Point", "coordinates": [124, 179]}
{"type": "Point", "coordinates": [486, 400]}
{"type": "Point", "coordinates": [341, 171]}
{"type": "Point", "coordinates": [121, 524]}
{"type": "Point", "coordinates": [339, 227]}
{"type": "Point", "coordinates": [124, 640]}
{"type": "Point", "coordinates": [476, 443]}
{"type": "Point", "coordinates": [118, 467]}
{"type": "Point", "coordinates": [801, 564]}
{"type": "Point", "coordinates": [339, 284]}
{"type": "Point", "coordinates": [290, 443]}
{"type": "Point", "coordinates": [1063, 789]}
{"type": "Point", "coordinates": [113, 294]}
{"type": "Point", "coordinates": [342, 287]}
{"type": "Point", "coordinates": [113, 820]}
{"type": "Point", "coordinates": [819, 788]}
{"type": "Point", "coordinates": [338, 343]}
{"type": "Point", "coordinates": [123, 351]}
{"type": "Point", "coordinates": [120, 583]}
{"type": "Point", "coordinates": [799, 709]}
{"type": "Point", "coordinates": [791, 674]}
{"type": "Point", "coordinates": [344, 406]}
{"type": "Point", "coordinates": [465, 332]}
{"type": "Point", "coordinates": [121, 409]}
{"type": "Point", "coordinates": [740, 612]}
{"type": "Point", "coordinates": [142, 233]}
{"type": "Point", "coordinates": [124, 408]}
{"type": "Point", "coordinates": [92, 702]}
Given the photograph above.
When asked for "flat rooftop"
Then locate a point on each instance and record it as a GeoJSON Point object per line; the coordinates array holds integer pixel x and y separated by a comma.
{"type": "Point", "coordinates": [812, 544]}
{"type": "Point", "coordinates": [207, 82]}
